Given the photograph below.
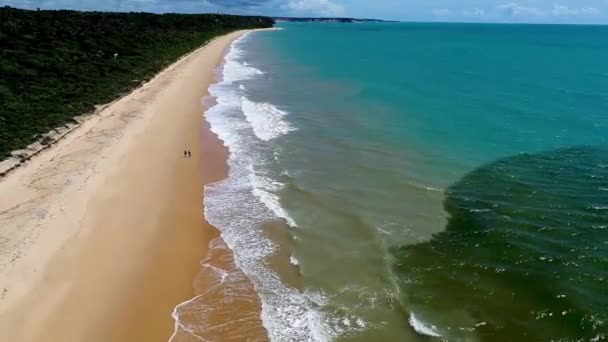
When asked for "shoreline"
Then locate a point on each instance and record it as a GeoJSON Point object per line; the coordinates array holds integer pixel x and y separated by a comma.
{"type": "Point", "coordinates": [206, 315]}
{"type": "Point", "coordinates": [92, 224]}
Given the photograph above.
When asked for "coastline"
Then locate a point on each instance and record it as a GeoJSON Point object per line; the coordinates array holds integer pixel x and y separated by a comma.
{"type": "Point", "coordinates": [111, 216]}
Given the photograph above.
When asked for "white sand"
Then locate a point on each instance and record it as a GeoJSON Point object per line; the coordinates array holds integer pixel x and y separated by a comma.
{"type": "Point", "coordinates": [101, 235]}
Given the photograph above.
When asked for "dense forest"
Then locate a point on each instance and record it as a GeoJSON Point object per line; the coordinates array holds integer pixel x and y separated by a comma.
{"type": "Point", "coordinates": [55, 65]}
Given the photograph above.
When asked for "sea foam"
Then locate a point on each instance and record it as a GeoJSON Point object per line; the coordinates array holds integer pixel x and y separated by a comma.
{"type": "Point", "coordinates": [265, 190]}
{"type": "Point", "coordinates": [294, 261]}
{"type": "Point", "coordinates": [234, 70]}
{"type": "Point", "coordinates": [248, 198]}
{"type": "Point", "coordinates": [239, 72]}
{"type": "Point", "coordinates": [267, 120]}
{"type": "Point", "coordinates": [422, 327]}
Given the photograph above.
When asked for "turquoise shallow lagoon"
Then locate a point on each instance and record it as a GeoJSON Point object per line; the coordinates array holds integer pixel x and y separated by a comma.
{"type": "Point", "coordinates": [395, 182]}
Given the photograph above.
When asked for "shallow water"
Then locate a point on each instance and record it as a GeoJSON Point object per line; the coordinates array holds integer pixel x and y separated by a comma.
{"type": "Point", "coordinates": [367, 162]}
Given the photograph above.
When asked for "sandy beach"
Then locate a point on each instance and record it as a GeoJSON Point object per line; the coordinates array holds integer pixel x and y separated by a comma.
{"type": "Point", "coordinates": [101, 236]}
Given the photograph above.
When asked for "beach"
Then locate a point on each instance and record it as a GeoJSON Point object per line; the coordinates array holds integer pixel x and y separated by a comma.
{"type": "Point", "coordinates": [101, 235]}
{"type": "Point", "coordinates": [358, 199]}
{"type": "Point", "coordinates": [326, 201]}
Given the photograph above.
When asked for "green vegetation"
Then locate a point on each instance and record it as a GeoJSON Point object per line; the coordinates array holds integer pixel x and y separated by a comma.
{"type": "Point", "coordinates": [55, 65]}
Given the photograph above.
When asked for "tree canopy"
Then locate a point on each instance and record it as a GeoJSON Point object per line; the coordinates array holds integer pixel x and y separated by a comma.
{"type": "Point", "coordinates": [55, 65]}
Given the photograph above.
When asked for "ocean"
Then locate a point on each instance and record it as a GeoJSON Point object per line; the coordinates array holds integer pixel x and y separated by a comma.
{"type": "Point", "coordinates": [418, 182]}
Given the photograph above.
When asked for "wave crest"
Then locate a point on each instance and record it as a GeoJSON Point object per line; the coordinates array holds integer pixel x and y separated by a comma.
{"type": "Point", "coordinates": [268, 121]}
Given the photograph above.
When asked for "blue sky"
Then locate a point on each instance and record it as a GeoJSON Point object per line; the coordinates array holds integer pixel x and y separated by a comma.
{"type": "Point", "coordinates": [535, 11]}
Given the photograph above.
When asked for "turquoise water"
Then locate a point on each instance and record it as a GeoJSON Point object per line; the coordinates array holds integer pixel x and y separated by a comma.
{"type": "Point", "coordinates": [433, 181]}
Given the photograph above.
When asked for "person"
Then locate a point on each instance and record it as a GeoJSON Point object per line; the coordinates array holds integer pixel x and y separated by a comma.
{"type": "Point", "coordinates": [185, 154]}
{"type": "Point", "coordinates": [189, 154]}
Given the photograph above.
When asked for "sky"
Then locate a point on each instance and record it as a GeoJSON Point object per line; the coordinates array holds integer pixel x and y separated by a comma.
{"type": "Point", "coordinates": [530, 11]}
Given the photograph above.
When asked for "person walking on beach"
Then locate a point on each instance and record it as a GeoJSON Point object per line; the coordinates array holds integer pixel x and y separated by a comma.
{"type": "Point", "coordinates": [185, 154]}
{"type": "Point", "coordinates": [189, 154]}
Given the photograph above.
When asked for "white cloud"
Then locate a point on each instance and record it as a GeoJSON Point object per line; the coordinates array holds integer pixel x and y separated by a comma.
{"type": "Point", "coordinates": [474, 12]}
{"type": "Point", "coordinates": [441, 12]}
{"type": "Point", "coordinates": [561, 10]}
{"type": "Point", "coordinates": [515, 10]}
{"type": "Point", "coordinates": [314, 7]}
{"type": "Point", "coordinates": [268, 7]}
{"type": "Point", "coordinates": [590, 11]}
{"type": "Point", "coordinates": [194, 6]}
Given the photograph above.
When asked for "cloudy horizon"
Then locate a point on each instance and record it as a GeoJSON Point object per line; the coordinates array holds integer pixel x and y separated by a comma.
{"type": "Point", "coordinates": [524, 11]}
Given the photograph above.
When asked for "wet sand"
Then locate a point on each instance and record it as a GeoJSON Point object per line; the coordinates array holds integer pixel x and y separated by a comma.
{"type": "Point", "coordinates": [102, 235]}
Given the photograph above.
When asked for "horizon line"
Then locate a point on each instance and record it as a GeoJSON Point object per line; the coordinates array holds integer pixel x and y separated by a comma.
{"type": "Point", "coordinates": [378, 20]}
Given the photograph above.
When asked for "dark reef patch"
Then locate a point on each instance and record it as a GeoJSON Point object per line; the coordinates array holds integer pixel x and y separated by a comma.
{"type": "Point", "coordinates": [524, 256]}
